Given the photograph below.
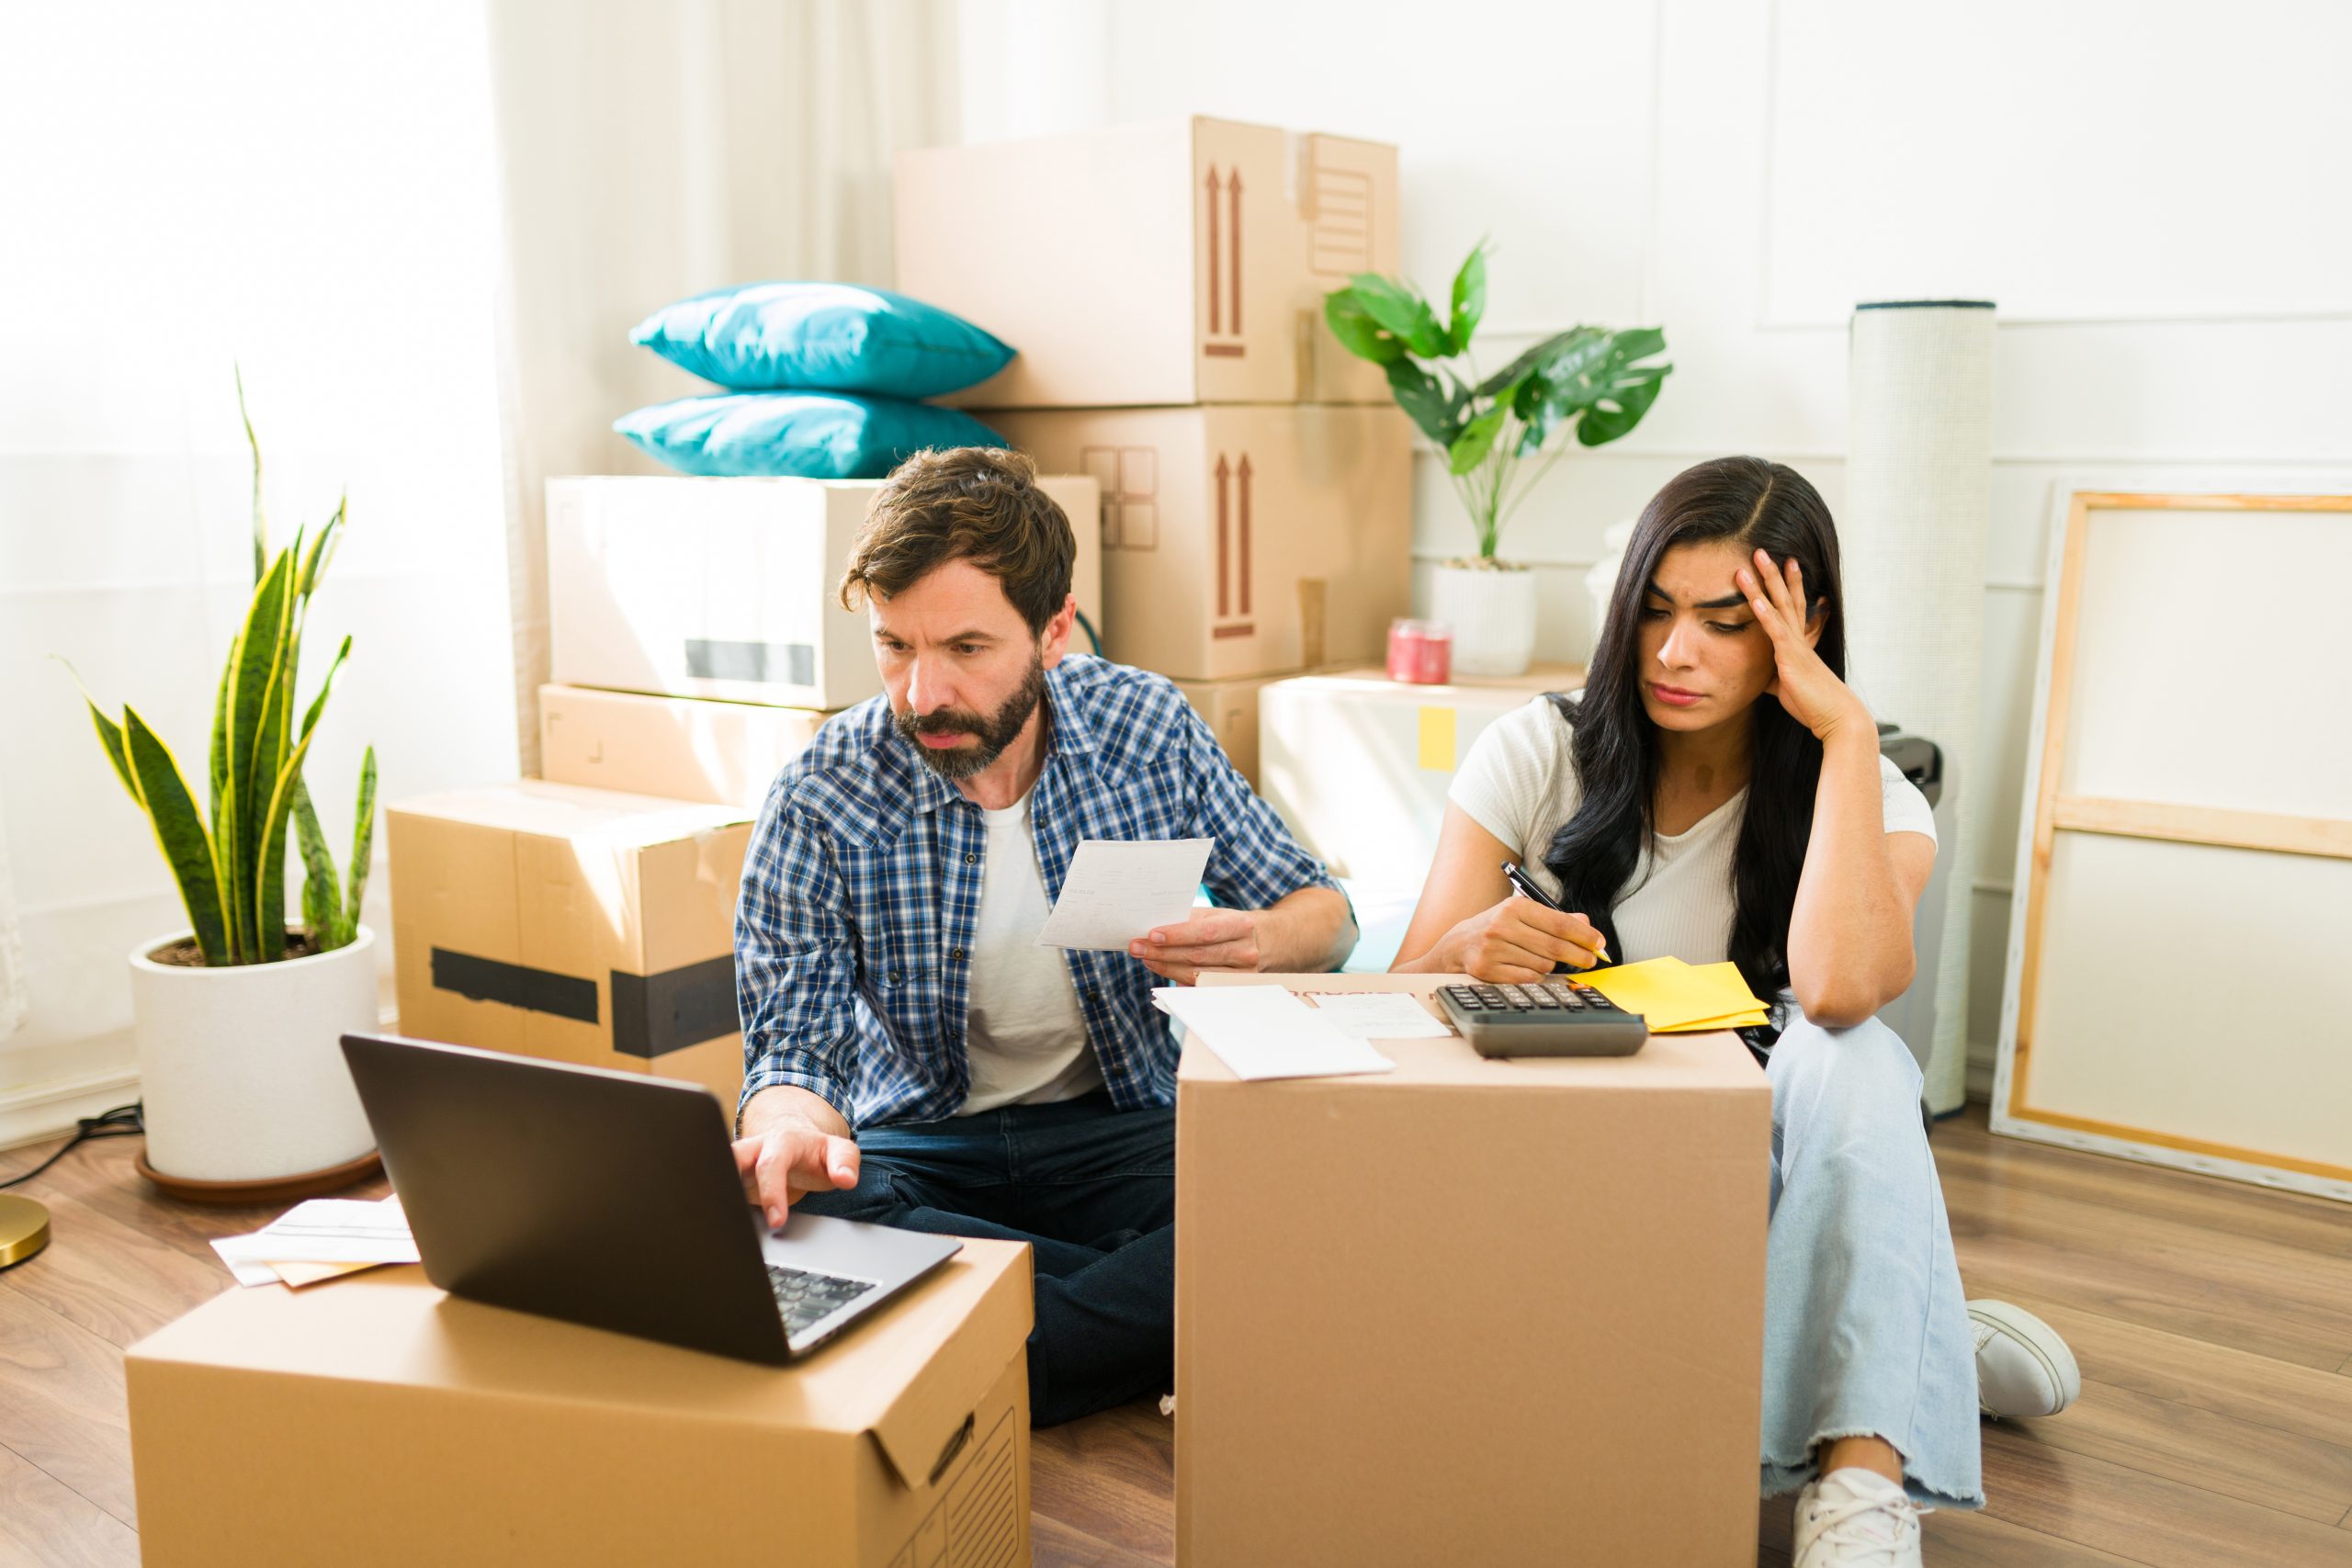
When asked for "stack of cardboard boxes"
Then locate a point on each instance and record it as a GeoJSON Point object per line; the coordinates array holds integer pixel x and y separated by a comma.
{"type": "Point", "coordinates": [1164, 284]}
{"type": "Point", "coordinates": [588, 915]}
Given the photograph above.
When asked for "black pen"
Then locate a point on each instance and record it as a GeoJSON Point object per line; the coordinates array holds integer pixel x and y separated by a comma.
{"type": "Point", "coordinates": [1525, 887]}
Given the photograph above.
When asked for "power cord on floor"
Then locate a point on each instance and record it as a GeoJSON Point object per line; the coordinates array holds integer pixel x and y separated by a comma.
{"type": "Point", "coordinates": [122, 1121]}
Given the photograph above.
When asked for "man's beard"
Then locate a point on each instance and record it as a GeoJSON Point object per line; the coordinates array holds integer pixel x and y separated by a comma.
{"type": "Point", "coordinates": [995, 733]}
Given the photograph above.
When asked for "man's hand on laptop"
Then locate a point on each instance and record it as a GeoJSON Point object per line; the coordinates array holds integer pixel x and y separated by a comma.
{"type": "Point", "coordinates": [793, 1143]}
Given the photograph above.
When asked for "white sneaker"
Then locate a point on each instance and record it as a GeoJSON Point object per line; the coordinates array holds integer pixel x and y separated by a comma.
{"type": "Point", "coordinates": [2023, 1368]}
{"type": "Point", "coordinates": [1856, 1518]}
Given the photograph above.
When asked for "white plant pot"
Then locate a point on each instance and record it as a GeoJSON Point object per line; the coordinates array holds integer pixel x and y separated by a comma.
{"type": "Point", "coordinates": [1493, 616]}
{"type": "Point", "coordinates": [241, 1067]}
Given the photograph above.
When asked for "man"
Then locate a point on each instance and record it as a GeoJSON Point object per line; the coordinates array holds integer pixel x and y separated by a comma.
{"type": "Point", "coordinates": [912, 1056]}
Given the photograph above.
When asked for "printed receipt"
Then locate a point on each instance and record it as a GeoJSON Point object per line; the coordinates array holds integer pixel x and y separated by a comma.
{"type": "Point", "coordinates": [1263, 1032]}
{"type": "Point", "coordinates": [1119, 888]}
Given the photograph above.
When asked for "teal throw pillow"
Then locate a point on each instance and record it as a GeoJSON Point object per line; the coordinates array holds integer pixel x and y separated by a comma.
{"type": "Point", "coordinates": [810, 435]}
{"type": "Point", "coordinates": [827, 337]}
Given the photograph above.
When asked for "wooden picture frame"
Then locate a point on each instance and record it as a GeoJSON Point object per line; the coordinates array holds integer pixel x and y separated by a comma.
{"type": "Point", "coordinates": [2132, 899]}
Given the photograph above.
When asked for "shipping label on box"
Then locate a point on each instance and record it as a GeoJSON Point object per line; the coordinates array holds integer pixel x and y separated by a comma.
{"type": "Point", "coordinates": [730, 588]}
{"type": "Point", "coordinates": [679, 747]}
{"type": "Point", "coordinates": [1359, 766]}
{"type": "Point", "coordinates": [1242, 541]}
{"type": "Point", "coordinates": [1168, 263]}
{"type": "Point", "coordinates": [573, 924]}
{"type": "Point", "coordinates": [379, 1422]}
{"type": "Point", "coordinates": [1568, 1281]}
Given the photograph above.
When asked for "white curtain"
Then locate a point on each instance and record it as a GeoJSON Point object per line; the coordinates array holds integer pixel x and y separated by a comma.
{"type": "Point", "coordinates": [13, 999]}
{"type": "Point", "coordinates": [652, 151]}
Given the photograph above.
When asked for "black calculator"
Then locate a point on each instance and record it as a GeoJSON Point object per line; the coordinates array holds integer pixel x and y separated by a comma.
{"type": "Point", "coordinates": [1542, 1018]}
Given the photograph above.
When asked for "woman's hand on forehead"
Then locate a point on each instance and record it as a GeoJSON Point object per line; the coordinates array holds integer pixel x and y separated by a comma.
{"type": "Point", "coordinates": [1806, 685]}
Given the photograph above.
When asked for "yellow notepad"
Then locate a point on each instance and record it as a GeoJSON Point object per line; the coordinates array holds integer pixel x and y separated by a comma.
{"type": "Point", "coordinates": [1729, 1021]}
{"type": "Point", "coordinates": [1674, 998]}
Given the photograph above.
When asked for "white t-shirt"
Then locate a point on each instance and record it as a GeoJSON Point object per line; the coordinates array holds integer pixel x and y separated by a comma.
{"type": "Point", "coordinates": [1022, 1032]}
{"type": "Point", "coordinates": [1520, 783]}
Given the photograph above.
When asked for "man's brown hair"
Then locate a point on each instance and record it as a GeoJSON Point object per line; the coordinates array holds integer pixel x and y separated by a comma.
{"type": "Point", "coordinates": [975, 503]}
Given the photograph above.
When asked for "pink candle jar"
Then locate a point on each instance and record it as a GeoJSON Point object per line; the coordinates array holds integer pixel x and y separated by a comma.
{"type": "Point", "coordinates": [1420, 652]}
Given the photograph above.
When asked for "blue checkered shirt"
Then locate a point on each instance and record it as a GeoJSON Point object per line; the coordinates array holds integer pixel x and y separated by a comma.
{"type": "Point", "coordinates": [854, 938]}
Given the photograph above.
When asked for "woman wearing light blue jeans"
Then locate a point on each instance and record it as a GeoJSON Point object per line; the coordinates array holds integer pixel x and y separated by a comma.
{"type": "Point", "coordinates": [1865, 1329]}
{"type": "Point", "coordinates": [1717, 793]}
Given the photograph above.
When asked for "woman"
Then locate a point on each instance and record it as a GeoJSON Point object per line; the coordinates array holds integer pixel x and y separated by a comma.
{"type": "Point", "coordinates": [1718, 792]}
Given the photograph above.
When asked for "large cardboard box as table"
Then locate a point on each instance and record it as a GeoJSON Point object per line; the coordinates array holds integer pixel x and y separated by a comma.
{"type": "Point", "coordinates": [373, 1420]}
{"type": "Point", "coordinates": [1359, 764]}
{"type": "Point", "coordinates": [1471, 1311]}
{"type": "Point", "coordinates": [1242, 541]}
{"type": "Point", "coordinates": [731, 588]}
{"type": "Point", "coordinates": [1171, 262]}
{"type": "Point", "coordinates": [575, 924]}
{"type": "Point", "coordinates": [680, 747]}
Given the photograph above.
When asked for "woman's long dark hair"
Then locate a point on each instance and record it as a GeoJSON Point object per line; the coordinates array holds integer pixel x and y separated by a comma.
{"type": "Point", "coordinates": [1760, 505]}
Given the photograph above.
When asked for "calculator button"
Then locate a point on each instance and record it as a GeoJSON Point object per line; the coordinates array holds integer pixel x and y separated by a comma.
{"type": "Point", "coordinates": [1543, 998]}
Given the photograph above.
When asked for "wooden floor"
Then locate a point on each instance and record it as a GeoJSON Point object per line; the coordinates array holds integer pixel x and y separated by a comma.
{"type": "Point", "coordinates": [2213, 1323]}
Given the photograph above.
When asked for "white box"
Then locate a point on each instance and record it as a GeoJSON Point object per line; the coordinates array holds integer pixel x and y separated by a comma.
{"type": "Point", "coordinates": [729, 587]}
{"type": "Point", "coordinates": [1359, 764]}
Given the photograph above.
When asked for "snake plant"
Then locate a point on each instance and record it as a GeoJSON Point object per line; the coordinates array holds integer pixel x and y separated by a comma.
{"type": "Point", "coordinates": [230, 862]}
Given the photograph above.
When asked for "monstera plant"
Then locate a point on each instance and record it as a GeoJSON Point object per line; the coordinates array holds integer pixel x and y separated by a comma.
{"type": "Point", "coordinates": [1498, 433]}
{"type": "Point", "coordinates": [214, 1048]}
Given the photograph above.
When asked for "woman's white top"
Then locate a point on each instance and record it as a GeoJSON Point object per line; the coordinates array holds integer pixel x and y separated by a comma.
{"type": "Point", "coordinates": [1520, 783]}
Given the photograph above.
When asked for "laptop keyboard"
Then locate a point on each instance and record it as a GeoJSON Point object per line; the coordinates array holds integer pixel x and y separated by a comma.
{"type": "Point", "coordinates": [807, 1298]}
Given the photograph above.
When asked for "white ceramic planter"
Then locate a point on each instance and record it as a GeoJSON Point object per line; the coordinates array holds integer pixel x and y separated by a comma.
{"type": "Point", "coordinates": [242, 1069]}
{"type": "Point", "coordinates": [1493, 616]}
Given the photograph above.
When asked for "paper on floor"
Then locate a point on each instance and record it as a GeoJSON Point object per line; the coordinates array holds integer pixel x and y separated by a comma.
{"type": "Point", "coordinates": [1119, 888]}
{"type": "Point", "coordinates": [1379, 1015]}
{"type": "Point", "coordinates": [1263, 1032]}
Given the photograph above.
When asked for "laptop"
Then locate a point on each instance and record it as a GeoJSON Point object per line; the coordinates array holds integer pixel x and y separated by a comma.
{"type": "Point", "coordinates": [612, 1199]}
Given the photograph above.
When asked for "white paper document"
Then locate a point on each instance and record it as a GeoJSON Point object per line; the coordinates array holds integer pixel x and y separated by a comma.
{"type": "Point", "coordinates": [1263, 1032]}
{"type": "Point", "coordinates": [324, 1230]}
{"type": "Point", "coordinates": [1119, 888]}
{"type": "Point", "coordinates": [1379, 1015]}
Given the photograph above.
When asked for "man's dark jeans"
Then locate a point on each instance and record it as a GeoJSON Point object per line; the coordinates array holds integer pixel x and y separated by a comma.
{"type": "Point", "coordinates": [1091, 1189]}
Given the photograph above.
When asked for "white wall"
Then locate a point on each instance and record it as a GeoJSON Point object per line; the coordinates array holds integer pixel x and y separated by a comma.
{"type": "Point", "coordinates": [2153, 194]}
{"type": "Point", "coordinates": [305, 188]}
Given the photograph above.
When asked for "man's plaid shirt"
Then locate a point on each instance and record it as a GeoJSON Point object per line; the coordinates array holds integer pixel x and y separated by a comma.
{"type": "Point", "coordinates": [852, 941]}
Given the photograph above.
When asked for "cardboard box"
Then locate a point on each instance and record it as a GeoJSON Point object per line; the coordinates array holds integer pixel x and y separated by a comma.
{"type": "Point", "coordinates": [374, 1421]}
{"type": "Point", "coordinates": [573, 924]}
{"type": "Point", "coordinates": [1457, 1313]}
{"type": "Point", "coordinates": [677, 747]}
{"type": "Point", "coordinates": [731, 588]}
{"type": "Point", "coordinates": [1242, 541]}
{"type": "Point", "coordinates": [1176, 262]}
{"type": "Point", "coordinates": [1359, 764]}
{"type": "Point", "coordinates": [1231, 709]}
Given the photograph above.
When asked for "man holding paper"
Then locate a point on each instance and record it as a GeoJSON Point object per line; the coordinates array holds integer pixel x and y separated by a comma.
{"type": "Point", "coordinates": [913, 1053]}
